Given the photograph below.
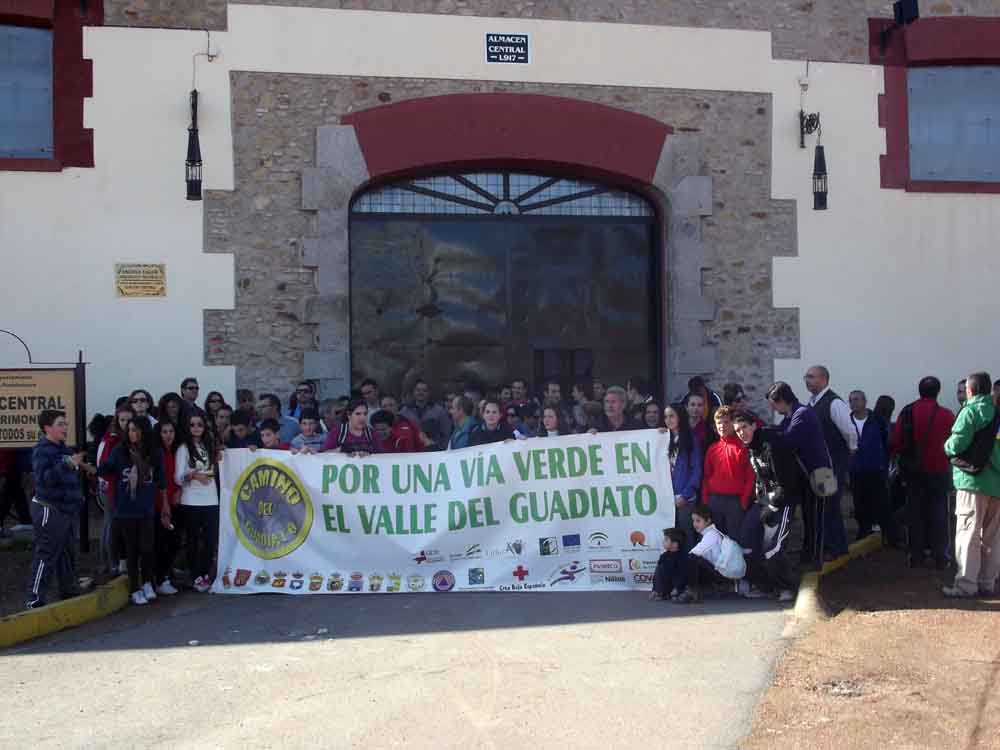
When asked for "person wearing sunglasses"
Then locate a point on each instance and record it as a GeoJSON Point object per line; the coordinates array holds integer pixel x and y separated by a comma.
{"type": "Point", "coordinates": [512, 418]}
{"type": "Point", "coordinates": [142, 402]}
{"type": "Point", "coordinates": [189, 390]}
{"type": "Point", "coordinates": [304, 399]}
{"type": "Point", "coordinates": [735, 397]}
{"type": "Point", "coordinates": [189, 400]}
{"type": "Point", "coordinates": [213, 402]}
{"type": "Point", "coordinates": [196, 466]}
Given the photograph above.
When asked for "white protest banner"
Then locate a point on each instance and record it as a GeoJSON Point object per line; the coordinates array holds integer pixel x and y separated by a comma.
{"type": "Point", "coordinates": [574, 513]}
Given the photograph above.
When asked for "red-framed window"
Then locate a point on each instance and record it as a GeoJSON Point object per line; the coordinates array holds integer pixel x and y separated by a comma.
{"type": "Point", "coordinates": [939, 109]}
{"type": "Point", "coordinates": [39, 39]}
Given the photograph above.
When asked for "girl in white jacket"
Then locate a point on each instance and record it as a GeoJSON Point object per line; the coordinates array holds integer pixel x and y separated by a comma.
{"type": "Point", "coordinates": [197, 465]}
{"type": "Point", "coordinates": [704, 556]}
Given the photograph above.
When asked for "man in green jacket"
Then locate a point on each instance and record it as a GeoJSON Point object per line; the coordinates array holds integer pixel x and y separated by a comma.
{"type": "Point", "coordinates": [977, 503]}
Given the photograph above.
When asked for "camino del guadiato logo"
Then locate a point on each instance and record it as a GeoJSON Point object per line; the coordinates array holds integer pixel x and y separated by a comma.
{"type": "Point", "coordinates": [271, 510]}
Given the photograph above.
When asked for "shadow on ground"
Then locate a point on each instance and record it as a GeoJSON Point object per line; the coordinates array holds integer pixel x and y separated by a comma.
{"type": "Point", "coordinates": [268, 618]}
{"type": "Point", "coordinates": [882, 582]}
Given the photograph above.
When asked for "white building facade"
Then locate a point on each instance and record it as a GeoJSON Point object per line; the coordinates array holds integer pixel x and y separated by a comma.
{"type": "Point", "coordinates": [304, 110]}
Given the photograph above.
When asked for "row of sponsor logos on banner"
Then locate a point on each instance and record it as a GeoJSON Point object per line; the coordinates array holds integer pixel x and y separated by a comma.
{"type": "Point", "coordinates": [516, 567]}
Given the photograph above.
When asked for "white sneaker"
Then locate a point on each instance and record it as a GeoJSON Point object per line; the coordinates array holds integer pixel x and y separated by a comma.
{"type": "Point", "coordinates": [147, 590]}
{"type": "Point", "coordinates": [21, 527]}
{"type": "Point", "coordinates": [138, 597]}
{"type": "Point", "coordinates": [786, 595]}
{"type": "Point", "coordinates": [166, 588]}
{"type": "Point", "coordinates": [201, 584]}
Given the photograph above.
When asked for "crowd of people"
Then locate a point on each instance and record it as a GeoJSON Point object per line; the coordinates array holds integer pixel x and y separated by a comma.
{"type": "Point", "coordinates": [738, 482]}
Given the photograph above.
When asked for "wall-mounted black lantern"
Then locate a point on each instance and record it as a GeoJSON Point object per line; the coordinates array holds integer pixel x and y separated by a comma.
{"type": "Point", "coordinates": [809, 123]}
{"type": "Point", "coordinates": [819, 179]}
{"type": "Point", "coordinates": [192, 166]}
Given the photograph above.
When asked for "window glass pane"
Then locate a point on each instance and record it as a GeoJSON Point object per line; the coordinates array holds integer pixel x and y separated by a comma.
{"type": "Point", "coordinates": [954, 122]}
{"type": "Point", "coordinates": [501, 193]}
{"type": "Point", "coordinates": [25, 92]}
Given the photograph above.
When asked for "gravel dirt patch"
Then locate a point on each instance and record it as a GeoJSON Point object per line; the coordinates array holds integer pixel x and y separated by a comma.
{"type": "Point", "coordinates": [898, 666]}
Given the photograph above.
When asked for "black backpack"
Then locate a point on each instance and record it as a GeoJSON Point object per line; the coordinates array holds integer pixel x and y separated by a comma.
{"type": "Point", "coordinates": [977, 456]}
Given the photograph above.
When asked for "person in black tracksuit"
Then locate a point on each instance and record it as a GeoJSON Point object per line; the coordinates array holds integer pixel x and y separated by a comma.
{"type": "Point", "coordinates": [780, 485]}
{"type": "Point", "coordinates": [57, 502]}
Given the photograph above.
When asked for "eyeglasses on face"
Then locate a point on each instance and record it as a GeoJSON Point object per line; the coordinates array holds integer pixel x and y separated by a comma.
{"type": "Point", "coordinates": [191, 388]}
{"type": "Point", "coordinates": [215, 401]}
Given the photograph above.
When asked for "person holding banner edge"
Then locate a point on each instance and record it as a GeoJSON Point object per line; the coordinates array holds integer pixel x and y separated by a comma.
{"type": "Point", "coordinates": [196, 466]}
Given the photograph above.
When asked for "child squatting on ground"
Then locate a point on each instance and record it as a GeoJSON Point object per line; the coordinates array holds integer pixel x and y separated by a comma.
{"type": "Point", "coordinates": [716, 557]}
{"type": "Point", "coordinates": [670, 578]}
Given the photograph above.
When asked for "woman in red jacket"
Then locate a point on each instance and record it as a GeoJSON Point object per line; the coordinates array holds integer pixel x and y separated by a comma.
{"type": "Point", "coordinates": [166, 537]}
{"type": "Point", "coordinates": [727, 479]}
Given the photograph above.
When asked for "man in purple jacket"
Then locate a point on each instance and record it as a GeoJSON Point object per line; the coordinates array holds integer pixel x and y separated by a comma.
{"type": "Point", "coordinates": [803, 434]}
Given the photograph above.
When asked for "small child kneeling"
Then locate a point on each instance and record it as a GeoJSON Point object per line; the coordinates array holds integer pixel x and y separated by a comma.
{"type": "Point", "coordinates": [670, 578]}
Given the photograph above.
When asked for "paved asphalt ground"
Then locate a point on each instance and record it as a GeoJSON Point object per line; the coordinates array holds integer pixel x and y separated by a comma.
{"type": "Point", "coordinates": [435, 671]}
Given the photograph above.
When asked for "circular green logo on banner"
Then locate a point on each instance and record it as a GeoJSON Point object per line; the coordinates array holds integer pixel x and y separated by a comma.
{"type": "Point", "coordinates": [270, 509]}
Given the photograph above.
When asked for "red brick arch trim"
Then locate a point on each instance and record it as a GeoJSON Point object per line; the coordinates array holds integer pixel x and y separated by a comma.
{"type": "Point", "coordinates": [926, 42]}
{"type": "Point", "coordinates": [470, 131]}
{"type": "Point", "coordinates": [73, 81]}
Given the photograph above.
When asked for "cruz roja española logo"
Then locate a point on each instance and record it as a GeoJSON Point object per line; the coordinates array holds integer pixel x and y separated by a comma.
{"type": "Point", "coordinates": [271, 510]}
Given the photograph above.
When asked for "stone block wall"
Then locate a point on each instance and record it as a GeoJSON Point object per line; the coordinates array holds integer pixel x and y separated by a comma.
{"type": "Point", "coordinates": [263, 221]}
{"type": "Point", "coordinates": [831, 30]}
{"type": "Point", "coordinates": [167, 14]}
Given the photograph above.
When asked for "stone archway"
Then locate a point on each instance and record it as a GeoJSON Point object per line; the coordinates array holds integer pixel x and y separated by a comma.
{"type": "Point", "coordinates": [517, 131]}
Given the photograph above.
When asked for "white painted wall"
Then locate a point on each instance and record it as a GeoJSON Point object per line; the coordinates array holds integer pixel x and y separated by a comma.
{"type": "Point", "coordinates": [61, 234]}
{"type": "Point", "coordinates": [874, 277]}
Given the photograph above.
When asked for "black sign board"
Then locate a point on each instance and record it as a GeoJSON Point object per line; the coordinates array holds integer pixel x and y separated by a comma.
{"type": "Point", "coordinates": [507, 48]}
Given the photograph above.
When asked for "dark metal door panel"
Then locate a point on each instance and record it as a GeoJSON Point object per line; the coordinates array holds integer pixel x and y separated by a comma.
{"type": "Point", "coordinates": [451, 297]}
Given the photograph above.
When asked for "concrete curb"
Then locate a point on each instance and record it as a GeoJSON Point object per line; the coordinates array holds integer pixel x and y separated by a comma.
{"type": "Point", "coordinates": [52, 618]}
{"type": "Point", "coordinates": [809, 604]}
